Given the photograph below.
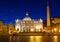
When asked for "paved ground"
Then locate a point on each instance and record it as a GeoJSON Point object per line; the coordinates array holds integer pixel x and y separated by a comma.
{"type": "Point", "coordinates": [32, 34]}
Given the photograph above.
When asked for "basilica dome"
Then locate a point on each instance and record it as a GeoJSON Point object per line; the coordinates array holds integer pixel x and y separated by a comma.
{"type": "Point", "coordinates": [27, 17]}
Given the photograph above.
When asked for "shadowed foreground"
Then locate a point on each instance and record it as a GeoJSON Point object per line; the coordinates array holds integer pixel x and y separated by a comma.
{"type": "Point", "coordinates": [29, 38]}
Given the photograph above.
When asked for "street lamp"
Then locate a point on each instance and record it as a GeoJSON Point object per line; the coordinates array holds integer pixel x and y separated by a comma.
{"type": "Point", "coordinates": [55, 29]}
{"type": "Point", "coordinates": [32, 30]}
{"type": "Point", "coordinates": [59, 30]}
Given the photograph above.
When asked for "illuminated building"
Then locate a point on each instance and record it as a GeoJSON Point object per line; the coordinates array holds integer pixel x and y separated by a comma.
{"type": "Point", "coordinates": [11, 28]}
{"type": "Point", "coordinates": [5, 29]}
{"type": "Point", "coordinates": [55, 22]}
{"type": "Point", "coordinates": [28, 25]}
{"type": "Point", "coordinates": [1, 27]}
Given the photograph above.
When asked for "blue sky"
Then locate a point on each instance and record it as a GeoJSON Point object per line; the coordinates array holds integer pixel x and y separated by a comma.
{"type": "Point", "coordinates": [13, 9]}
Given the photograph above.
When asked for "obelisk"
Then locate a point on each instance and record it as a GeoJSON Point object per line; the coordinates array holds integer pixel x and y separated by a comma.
{"type": "Point", "coordinates": [48, 18]}
{"type": "Point", "coordinates": [48, 15]}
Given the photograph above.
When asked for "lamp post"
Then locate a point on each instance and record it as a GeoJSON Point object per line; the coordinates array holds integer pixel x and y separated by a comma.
{"type": "Point", "coordinates": [31, 30]}
{"type": "Point", "coordinates": [55, 30]}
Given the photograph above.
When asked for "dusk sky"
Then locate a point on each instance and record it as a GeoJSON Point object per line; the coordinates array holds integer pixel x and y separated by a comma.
{"type": "Point", "coordinates": [16, 9]}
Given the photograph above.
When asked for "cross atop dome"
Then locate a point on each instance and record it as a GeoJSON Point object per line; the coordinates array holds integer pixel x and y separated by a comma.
{"type": "Point", "coordinates": [26, 13]}
{"type": "Point", "coordinates": [27, 17]}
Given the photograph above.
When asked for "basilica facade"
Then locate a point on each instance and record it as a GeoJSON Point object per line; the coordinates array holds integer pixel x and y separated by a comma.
{"type": "Point", "coordinates": [28, 25]}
